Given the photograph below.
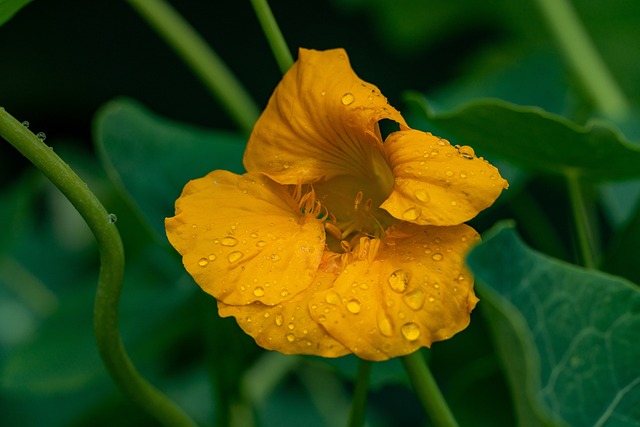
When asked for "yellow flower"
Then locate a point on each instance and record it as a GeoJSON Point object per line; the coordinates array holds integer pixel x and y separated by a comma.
{"type": "Point", "coordinates": [336, 241]}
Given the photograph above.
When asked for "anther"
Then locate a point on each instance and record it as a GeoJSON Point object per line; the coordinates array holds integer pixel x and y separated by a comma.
{"type": "Point", "coordinates": [333, 230]}
{"type": "Point", "coordinates": [357, 200]}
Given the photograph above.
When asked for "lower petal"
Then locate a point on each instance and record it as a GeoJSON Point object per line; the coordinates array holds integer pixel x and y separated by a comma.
{"type": "Point", "coordinates": [244, 239]}
{"type": "Point", "coordinates": [416, 291]}
{"type": "Point", "coordinates": [288, 327]}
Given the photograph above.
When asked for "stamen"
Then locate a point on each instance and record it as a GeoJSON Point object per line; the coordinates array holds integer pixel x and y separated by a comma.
{"type": "Point", "coordinates": [333, 230]}
{"type": "Point", "coordinates": [345, 246]}
{"type": "Point", "coordinates": [357, 200]}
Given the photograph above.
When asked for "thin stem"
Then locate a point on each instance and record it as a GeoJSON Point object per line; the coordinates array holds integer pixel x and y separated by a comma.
{"type": "Point", "coordinates": [359, 404]}
{"type": "Point", "coordinates": [428, 391]}
{"type": "Point", "coordinates": [582, 224]}
{"type": "Point", "coordinates": [202, 60]}
{"type": "Point", "coordinates": [274, 35]}
{"type": "Point", "coordinates": [111, 271]}
{"type": "Point", "coordinates": [583, 58]}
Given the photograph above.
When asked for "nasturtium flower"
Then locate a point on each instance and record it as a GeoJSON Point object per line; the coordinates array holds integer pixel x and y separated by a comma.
{"type": "Point", "coordinates": [335, 240]}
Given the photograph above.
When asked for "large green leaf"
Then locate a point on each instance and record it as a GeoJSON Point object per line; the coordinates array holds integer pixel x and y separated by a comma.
{"type": "Point", "coordinates": [152, 158]}
{"type": "Point", "coordinates": [538, 140]}
{"type": "Point", "coordinates": [568, 336]}
{"type": "Point", "coordinates": [8, 8]}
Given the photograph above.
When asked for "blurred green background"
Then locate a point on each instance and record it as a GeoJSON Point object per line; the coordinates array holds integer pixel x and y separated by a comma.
{"type": "Point", "coordinates": [60, 61]}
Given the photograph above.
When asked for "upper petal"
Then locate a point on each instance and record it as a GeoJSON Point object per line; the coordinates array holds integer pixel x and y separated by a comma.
{"type": "Point", "coordinates": [436, 183]}
{"type": "Point", "coordinates": [416, 291]}
{"type": "Point", "coordinates": [321, 121]}
{"type": "Point", "coordinates": [244, 239]}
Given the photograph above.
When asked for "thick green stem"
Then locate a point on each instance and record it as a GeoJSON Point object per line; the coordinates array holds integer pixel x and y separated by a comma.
{"type": "Point", "coordinates": [204, 62]}
{"type": "Point", "coordinates": [581, 220]}
{"type": "Point", "coordinates": [274, 35]}
{"type": "Point", "coordinates": [428, 391]}
{"type": "Point", "coordinates": [584, 60]}
{"type": "Point", "coordinates": [359, 403]}
{"type": "Point", "coordinates": [111, 271]}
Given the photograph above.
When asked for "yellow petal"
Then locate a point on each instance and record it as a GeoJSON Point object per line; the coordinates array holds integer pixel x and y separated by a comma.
{"type": "Point", "coordinates": [288, 327]}
{"type": "Point", "coordinates": [436, 183]}
{"type": "Point", "coordinates": [321, 121]}
{"type": "Point", "coordinates": [244, 239]}
{"type": "Point", "coordinates": [416, 291]}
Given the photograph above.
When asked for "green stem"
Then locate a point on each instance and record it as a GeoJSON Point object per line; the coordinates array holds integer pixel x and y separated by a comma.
{"type": "Point", "coordinates": [359, 404]}
{"type": "Point", "coordinates": [583, 58]}
{"type": "Point", "coordinates": [582, 224]}
{"type": "Point", "coordinates": [203, 61]}
{"type": "Point", "coordinates": [111, 271]}
{"type": "Point", "coordinates": [427, 390]}
{"type": "Point", "coordinates": [274, 35]}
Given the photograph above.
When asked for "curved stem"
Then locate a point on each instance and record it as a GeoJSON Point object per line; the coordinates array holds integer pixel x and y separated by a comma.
{"type": "Point", "coordinates": [274, 35]}
{"type": "Point", "coordinates": [428, 391]}
{"type": "Point", "coordinates": [359, 404]}
{"type": "Point", "coordinates": [582, 56]}
{"type": "Point", "coordinates": [583, 229]}
{"type": "Point", "coordinates": [111, 271]}
{"type": "Point", "coordinates": [204, 62]}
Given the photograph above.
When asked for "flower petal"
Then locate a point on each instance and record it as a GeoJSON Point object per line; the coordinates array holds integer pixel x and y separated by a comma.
{"type": "Point", "coordinates": [244, 239]}
{"type": "Point", "coordinates": [320, 122]}
{"type": "Point", "coordinates": [288, 328]}
{"type": "Point", "coordinates": [416, 291]}
{"type": "Point", "coordinates": [436, 183]}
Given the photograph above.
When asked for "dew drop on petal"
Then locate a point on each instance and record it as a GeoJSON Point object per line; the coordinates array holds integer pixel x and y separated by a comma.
{"type": "Point", "coordinates": [437, 257]}
{"type": "Point", "coordinates": [212, 257]}
{"type": "Point", "coordinates": [291, 337]}
{"type": "Point", "coordinates": [422, 195]}
{"type": "Point", "coordinates": [449, 173]}
{"type": "Point", "coordinates": [411, 214]}
{"type": "Point", "coordinates": [261, 243]}
{"type": "Point", "coordinates": [398, 280]}
{"type": "Point", "coordinates": [228, 241]}
{"type": "Point", "coordinates": [410, 331]}
{"type": "Point", "coordinates": [353, 306]}
{"type": "Point", "coordinates": [253, 235]}
{"type": "Point", "coordinates": [203, 262]}
{"type": "Point", "coordinates": [332, 298]}
{"type": "Point", "coordinates": [384, 325]}
{"type": "Point", "coordinates": [415, 299]}
{"type": "Point", "coordinates": [235, 256]}
{"type": "Point", "coordinates": [279, 320]}
{"type": "Point", "coordinates": [348, 98]}
{"type": "Point", "coordinates": [291, 326]}
{"type": "Point", "coordinates": [258, 291]}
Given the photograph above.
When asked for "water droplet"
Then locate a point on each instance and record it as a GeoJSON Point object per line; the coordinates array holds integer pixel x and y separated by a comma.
{"type": "Point", "coordinates": [410, 331]}
{"type": "Point", "coordinates": [25, 124]}
{"type": "Point", "coordinates": [112, 218]}
{"type": "Point", "coordinates": [275, 257]}
{"type": "Point", "coordinates": [422, 195]}
{"type": "Point", "coordinates": [212, 257]}
{"type": "Point", "coordinates": [41, 136]}
{"type": "Point", "coordinates": [324, 92]}
{"type": "Point", "coordinates": [203, 262]}
{"type": "Point", "coordinates": [266, 314]}
{"type": "Point", "coordinates": [384, 324]}
{"type": "Point", "coordinates": [291, 326]}
{"type": "Point", "coordinates": [235, 256]}
{"type": "Point", "coordinates": [364, 286]}
{"type": "Point", "coordinates": [415, 299]}
{"type": "Point", "coordinates": [332, 298]}
{"type": "Point", "coordinates": [411, 214]}
{"type": "Point", "coordinates": [449, 173]}
{"type": "Point", "coordinates": [437, 257]}
{"type": "Point", "coordinates": [454, 203]}
{"type": "Point", "coordinates": [467, 152]}
{"type": "Point", "coordinates": [228, 241]}
{"type": "Point", "coordinates": [284, 293]}
{"type": "Point", "coordinates": [279, 320]}
{"type": "Point", "coordinates": [353, 306]}
{"type": "Point", "coordinates": [259, 291]}
{"type": "Point", "coordinates": [463, 174]}
{"type": "Point", "coordinates": [322, 318]}
{"type": "Point", "coordinates": [431, 299]}
{"type": "Point", "coordinates": [254, 235]}
{"type": "Point", "coordinates": [399, 280]}
{"type": "Point", "coordinates": [348, 98]}
{"type": "Point", "coordinates": [291, 337]}
{"type": "Point", "coordinates": [261, 243]}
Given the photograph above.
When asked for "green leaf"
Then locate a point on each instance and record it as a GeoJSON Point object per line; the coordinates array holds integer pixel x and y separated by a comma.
{"type": "Point", "coordinates": [537, 140]}
{"type": "Point", "coordinates": [568, 336]}
{"type": "Point", "coordinates": [152, 158]}
{"type": "Point", "coordinates": [8, 8]}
